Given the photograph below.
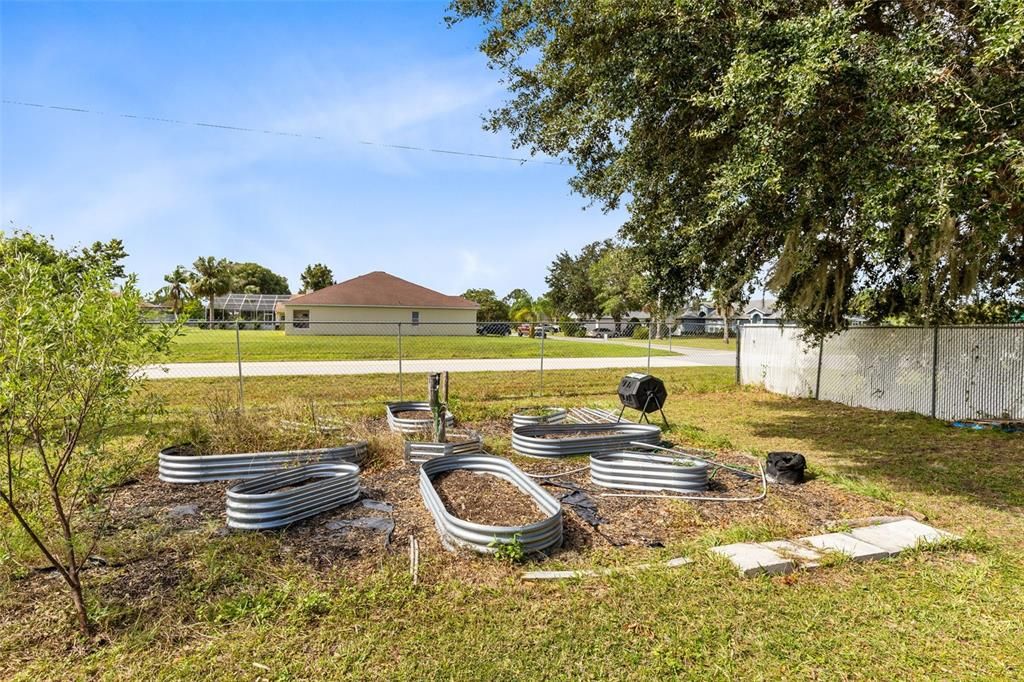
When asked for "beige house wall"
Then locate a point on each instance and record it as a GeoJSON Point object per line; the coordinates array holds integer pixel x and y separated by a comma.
{"type": "Point", "coordinates": [383, 320]}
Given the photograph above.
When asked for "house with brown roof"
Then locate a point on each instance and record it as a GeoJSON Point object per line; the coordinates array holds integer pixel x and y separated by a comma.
{"type": "Point", "coordinates": [375, 304]}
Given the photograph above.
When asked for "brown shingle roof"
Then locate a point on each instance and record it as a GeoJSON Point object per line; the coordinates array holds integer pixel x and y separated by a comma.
{"type": "Point", "coordinates": [381, 289]}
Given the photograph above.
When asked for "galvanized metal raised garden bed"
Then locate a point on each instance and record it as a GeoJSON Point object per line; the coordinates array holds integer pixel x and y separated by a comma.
{"type": "Point", "coordinates": [174, 466]}
{"type": "Point", "coordinates": [481, 538]}
{"type": "Point", "coordinates": [459, 443]}
{"type": "Point", "coordinates": [630, 470]}
{"type": "Point", "coordinates": [550, 415]}
{"type": "Point", "coordinates": [530, 440]}
{"type": "Point", "coordinates": [284, 497]}
{"type": "Point", "coordinates": [404, 425]}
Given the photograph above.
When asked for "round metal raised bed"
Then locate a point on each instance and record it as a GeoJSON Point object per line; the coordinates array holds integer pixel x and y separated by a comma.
{"type": "Point", "coordinates": [529, 440]}
{"type": "Point", "coordinates": [647, 471]}
{"type": "Point", "coordinates": [284, 497]}
{"type": "Point", "coordinates": [402, 425]}
{"type": "Point", "coordinates": [482, 538]}
{"type": "Point", "coordinates": [553, 415]}
{"type": "Point", "coordinates": [174, 467]}
{"type": "Point", "coordinates": [459, 443]}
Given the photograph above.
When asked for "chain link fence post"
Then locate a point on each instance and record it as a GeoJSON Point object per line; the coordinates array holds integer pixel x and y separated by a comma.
{"type": "Point", "coordinates": [935, 370]}
{"type": "Point", "coordinates": [401, 385]}
{"type": "Point", "coordinates": [543, 333]}
{"type": "Point", "coordinates": [739, 333]}
{"type": "Point", "coordinates": [238, 355]}
{"type": "Point", "coordinates": [817, 380]}
{"type": "Point", "coordinates": [650, 335]}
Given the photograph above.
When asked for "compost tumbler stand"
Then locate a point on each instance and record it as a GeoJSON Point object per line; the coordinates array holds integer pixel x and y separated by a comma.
{"type": "Point", "coordinates": [643, 413]}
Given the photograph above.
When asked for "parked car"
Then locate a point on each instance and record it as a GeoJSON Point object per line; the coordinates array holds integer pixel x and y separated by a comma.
{"type": "Point", "coordinates": [524, 329]}
{"type": "Point", "coordinates": [600, 331]}
{"type": "Point", "coordinates": [494, 329]}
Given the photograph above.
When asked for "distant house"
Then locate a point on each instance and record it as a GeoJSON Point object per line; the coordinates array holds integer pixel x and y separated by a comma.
{"type": "Point", "coordinates": [374, 304]}
{"type": "Point", "coordinates": [704, 317]}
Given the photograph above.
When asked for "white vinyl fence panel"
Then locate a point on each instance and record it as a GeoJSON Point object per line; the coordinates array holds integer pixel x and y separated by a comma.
{"type": "Point", "coordinates": [968, 372]}
{"type": "Point", "coordinates": [778, 359]}
{"type": "Point", "coordinates": [980, 373]}
{"type": "Point", "coordinates": [884, 368]}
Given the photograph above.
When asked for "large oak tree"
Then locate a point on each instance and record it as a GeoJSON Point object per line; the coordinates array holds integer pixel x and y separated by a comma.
{"type": "Point", "coordinates": [824, 147]}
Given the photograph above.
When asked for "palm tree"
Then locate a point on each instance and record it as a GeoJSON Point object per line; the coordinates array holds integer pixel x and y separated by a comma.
{"type": "Point", "coordinates": [525, 308]}
{"type": "Point", "coordinates": [723, 304]}
{"type": "Point", "coordinates": [176, 289]}
{"type": "Point", "coordinates": [211, 277]}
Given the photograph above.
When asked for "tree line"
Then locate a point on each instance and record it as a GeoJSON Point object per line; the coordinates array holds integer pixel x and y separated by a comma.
{"type": "Point", "coordinates": [854, 158]}
{"type": "Point", "coordinates": [210, 277]}
{"type": "Point", "coordinates": [606, 278]}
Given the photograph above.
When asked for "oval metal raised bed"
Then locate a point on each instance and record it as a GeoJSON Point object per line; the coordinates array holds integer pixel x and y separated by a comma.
{"type": "Point", "coordinates": [530, 441]}
{"type": "Point", "coordinates": [481, 538]}
{"type": "Point", "coordinates": [284, 497]}
{"type": "Point", "coordinates": [459, 443]}
{"type": "Point", "coordinates": [403, 425]}
{"type": "Point", "coordinates": [553, 415]}
{"type": "Point", "coordinates": [180, 468]}
{"type": "Point", "coordinates": [647, 471]}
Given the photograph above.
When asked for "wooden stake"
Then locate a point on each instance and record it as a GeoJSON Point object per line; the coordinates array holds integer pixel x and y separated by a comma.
{"type": "Point", "coordinates": [437, 408]}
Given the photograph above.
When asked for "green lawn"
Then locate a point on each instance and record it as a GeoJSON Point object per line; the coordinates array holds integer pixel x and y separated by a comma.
{"type": "Point", "coordinates": [203, 604]}
{"type": "Point", "coordinates": [195, 345]}
{"type": "Point", "coordinates": [708, 342]}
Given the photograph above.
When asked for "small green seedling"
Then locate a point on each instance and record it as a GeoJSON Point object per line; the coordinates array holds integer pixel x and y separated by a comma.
{"type": "Point", "coordinates": [511, 552]}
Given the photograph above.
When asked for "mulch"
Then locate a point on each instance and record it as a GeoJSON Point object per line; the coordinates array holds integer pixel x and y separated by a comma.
{"type": "Point", "coordinates": [487, 499]}
{"type": "Point", "coordinates": [558, 435]}
{"type": "Point", "coordinates": [415, 414]}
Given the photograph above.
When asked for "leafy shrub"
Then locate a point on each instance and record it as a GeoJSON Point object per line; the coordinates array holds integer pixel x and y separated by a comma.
{"type": "Point", "coordinates": [640, 332]}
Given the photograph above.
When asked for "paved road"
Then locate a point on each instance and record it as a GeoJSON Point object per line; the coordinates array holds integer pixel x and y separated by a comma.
{"type": "Point", "coordinates": [690, 357]}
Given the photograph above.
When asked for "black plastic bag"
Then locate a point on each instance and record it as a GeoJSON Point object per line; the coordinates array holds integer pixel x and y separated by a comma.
{"type": "Point", "coordinates": [785, 467]}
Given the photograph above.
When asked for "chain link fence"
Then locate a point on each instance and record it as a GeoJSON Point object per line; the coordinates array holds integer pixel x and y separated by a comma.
{"type": "Point", "coordinates": [962, 372]}
{"type": "Point", "coordinates": [401, 353]}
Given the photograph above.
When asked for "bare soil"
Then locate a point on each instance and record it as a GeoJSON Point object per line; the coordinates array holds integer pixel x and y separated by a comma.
{"type": "Point", "coordinates": [485, 498]}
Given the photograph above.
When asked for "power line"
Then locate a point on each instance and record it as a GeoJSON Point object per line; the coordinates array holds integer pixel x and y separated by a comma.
{"type": "Point", "coordinates": [243, 129]}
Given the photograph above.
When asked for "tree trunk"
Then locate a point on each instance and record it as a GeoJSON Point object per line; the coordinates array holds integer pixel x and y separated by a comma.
{"type": "Point", "coordinates": [75, 585]}
{"type": "Point", "coordinates": [725, 327]}
{"type": "Point", "coordinates": [209, 313]}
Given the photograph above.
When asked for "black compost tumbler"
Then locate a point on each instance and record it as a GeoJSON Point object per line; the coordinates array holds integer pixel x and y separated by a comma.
{"type": "Point", "coordinates": [643, 393]}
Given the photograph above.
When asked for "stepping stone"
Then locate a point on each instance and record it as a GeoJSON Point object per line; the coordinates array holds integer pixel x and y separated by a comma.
{"type": "Point", "coordinates": [901, 535]}
{"type": "Point", "coordinates": [858, 550]}
{"type": "Point", "coordinates": [804, 556]}
{"type": "Point", "coordinates": [753, 559]}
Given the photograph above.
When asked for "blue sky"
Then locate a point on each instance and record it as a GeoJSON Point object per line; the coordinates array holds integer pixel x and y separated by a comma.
{"type": "Point", "coordinates": [385, 72]}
